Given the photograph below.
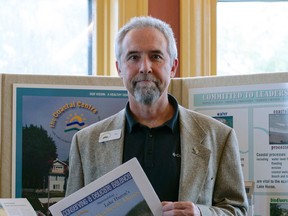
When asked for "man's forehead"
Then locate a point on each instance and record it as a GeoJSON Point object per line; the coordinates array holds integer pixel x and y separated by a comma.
{"type": "Point", "coordinates": [151, 39]}
{"type": "Point", "coordinates": [144, 34]}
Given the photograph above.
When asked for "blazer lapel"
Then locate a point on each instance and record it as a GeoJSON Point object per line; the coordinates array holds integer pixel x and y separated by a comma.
{"type": "Point", "coordinates": [114, 149]}
{"type": "Point", "coordinates": [194, 158]}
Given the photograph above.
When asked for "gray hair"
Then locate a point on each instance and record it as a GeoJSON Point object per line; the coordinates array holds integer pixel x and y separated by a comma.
{"type": "Point", "coordinates": [143, 22]}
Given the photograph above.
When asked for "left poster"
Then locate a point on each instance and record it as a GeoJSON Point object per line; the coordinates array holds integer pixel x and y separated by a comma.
{"type": "Point", "coordinates": [45, 118]}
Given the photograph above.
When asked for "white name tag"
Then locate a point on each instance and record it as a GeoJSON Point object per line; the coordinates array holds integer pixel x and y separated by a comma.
{"type": "Point", "coordinates": [110, 135]}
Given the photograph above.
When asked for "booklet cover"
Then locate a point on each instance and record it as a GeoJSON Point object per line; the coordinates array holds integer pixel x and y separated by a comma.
{"type": "Point", "coordinates": [125, 190]}
{"type": "Point", "coordinates": [15, 207]}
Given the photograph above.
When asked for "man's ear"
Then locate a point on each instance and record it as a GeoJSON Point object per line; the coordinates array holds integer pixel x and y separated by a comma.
{"type": "Point", "coordinates": [118, 69]}
{"type": "Point", "coordinates": [174, 68]}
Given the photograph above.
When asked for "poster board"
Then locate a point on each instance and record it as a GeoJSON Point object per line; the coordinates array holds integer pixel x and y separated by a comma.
{"type": "Point", "coordinates": [259, 115]}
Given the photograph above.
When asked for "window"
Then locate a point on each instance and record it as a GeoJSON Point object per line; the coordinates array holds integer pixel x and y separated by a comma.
{"type": "Point", "coordinates": [46, 37]}
{"type": "Point", "coordinates": [252, 37]}
{"type": "Point", "coordinates": [56, 187]}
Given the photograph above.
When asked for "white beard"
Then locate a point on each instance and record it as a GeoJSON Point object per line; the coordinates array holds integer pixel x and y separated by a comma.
{"type": "Point", "coordinates": [146, 94]}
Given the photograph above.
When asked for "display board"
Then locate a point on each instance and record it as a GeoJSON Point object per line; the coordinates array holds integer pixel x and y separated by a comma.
{"type": "Point", "coordinates": [259, 115]}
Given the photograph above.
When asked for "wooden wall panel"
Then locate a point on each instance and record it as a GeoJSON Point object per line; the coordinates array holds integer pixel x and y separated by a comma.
{"type": "Point", "coordinates": [168, 11]}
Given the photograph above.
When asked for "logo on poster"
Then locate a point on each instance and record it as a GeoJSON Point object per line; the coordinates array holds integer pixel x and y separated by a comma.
{"type": "Point", "coordinates": [66, 121]}
{"type": "Point", "coordinates": [76, 122]}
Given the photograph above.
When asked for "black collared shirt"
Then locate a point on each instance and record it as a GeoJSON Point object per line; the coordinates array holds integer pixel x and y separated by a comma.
{"type": "Point", "coordinates": [158, 152]}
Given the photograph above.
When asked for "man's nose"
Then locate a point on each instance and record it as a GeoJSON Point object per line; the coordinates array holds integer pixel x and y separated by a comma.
{"type": "Point", "coordinates": [146, 65]}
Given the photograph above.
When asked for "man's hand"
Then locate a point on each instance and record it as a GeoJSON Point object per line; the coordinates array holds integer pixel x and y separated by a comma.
{"type": "Point", "coordinates": [180, 208]}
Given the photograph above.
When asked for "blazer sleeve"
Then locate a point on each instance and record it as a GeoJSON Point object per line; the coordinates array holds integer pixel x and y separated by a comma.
{"type": "Point", "coordinates": [76, 179]}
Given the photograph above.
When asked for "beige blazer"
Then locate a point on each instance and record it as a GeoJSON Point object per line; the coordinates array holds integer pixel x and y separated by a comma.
{"type": "Point", "coordinates": [211, 174]}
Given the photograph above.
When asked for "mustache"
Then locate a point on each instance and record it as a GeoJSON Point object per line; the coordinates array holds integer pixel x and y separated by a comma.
{"type": "Point", "coordinates": [144, 77]}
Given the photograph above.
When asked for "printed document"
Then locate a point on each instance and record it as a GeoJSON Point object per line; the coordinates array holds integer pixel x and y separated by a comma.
{"type": "Point", "coordinates": [125, 190]}
{"type": "Point", "coordinates": [16, 207]}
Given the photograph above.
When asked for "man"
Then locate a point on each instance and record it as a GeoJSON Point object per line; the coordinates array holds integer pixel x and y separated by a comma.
{"type": "Point", "coordinates": [191, 160]}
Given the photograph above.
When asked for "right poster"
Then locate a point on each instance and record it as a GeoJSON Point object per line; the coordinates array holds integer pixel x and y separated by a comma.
{"type": "Point", "coordinates": [259, 115]}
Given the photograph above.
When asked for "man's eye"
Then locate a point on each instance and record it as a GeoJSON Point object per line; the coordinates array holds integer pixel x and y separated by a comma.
{"type": "Point", "coordinates": [132, 57]}
{"type": "Point", "coordinates": [157, 57]}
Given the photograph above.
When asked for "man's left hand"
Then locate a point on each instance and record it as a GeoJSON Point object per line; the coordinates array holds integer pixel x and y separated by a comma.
{"type": "Point", "coordinates": [180, 208]}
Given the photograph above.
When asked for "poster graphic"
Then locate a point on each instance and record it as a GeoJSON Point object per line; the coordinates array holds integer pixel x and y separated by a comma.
{"type": "Point", "coordinates": [45, 118]}
{"type": "Point", "coordinates": [260, 118]}
{"type": "Point", "coordinates": [278, 133]}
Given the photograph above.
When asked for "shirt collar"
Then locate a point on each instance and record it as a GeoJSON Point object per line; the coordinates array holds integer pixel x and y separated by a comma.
{"type": "Point", "coordinates": [171, 123]}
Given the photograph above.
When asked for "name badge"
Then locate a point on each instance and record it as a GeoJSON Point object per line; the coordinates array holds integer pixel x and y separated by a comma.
{"type": "Point", "coordinates": [110, 135]}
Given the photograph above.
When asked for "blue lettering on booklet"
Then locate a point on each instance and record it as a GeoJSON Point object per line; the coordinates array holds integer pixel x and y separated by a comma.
{"type": "Point", "coordinates": [98, 194]}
